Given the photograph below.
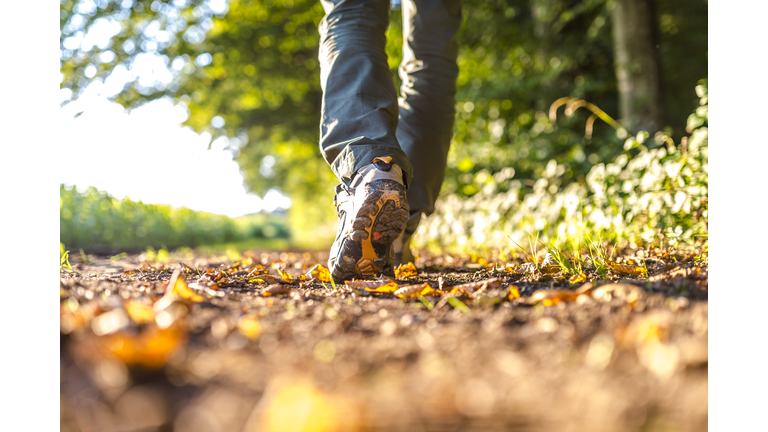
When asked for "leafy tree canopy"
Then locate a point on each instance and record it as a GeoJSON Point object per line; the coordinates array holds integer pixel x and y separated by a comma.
{"type": "Point", "coordinates": [248, 70]}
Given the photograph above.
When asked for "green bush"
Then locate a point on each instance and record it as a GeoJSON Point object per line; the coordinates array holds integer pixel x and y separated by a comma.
{"type": "Point", "coordinates": [654, 191]}
{"type": "Point", "coordinates": [95, 220]}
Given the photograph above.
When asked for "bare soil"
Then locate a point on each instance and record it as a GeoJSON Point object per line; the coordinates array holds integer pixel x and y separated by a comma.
{"type": "Point", "coordinates": [136, 355]}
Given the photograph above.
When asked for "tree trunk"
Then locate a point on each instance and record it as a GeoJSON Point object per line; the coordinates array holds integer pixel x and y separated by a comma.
{"type": "Point", "coordinates": [637, 65]}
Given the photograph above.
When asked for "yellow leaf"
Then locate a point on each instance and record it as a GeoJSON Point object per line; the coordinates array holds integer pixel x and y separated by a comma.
{"type": "Point", "coordinates": [406, 270]}
{"type": "Point", "coordinates": [513, 292]}
{"type": "Point", "coordinates": [581, 277]}
{"type": "Point", "coordinates": [320, 273]}
{"type": "Point", "coordinates": [249, 326]}
{"type": "Point", "coordinates": [386, 288]}
{"type": "Point", "coordinates": [285, 276]}
{"type": "Point", "coordinates": [482, 262]}
{"type": "Point", "coordinates": [149, 348]}
{"type": "Point", "coordinates": [139, 312]}
{"type": "Point", "coordinates": [414, 291]}
{"type": "Point", "coordinates": [626, 269]}
{"type": "Point", "coordinates": [181, 288]}
{"type": "Point", "coordinates": [369, 284]}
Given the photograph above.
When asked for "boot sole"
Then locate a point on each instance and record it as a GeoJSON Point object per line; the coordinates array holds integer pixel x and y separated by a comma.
{"type": "Point", "coordinates": [379, 221]}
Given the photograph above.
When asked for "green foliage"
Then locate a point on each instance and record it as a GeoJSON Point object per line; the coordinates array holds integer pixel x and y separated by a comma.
{"type": "Point", "coordinates": [654, 191]}
{"type": "Point", "coordinates": [96, 220]}
{"type": "Point", "coordinates": [255, 66]}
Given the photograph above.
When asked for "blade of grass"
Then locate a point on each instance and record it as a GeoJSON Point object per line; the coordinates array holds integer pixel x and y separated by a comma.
{"type": "Point", "coordinates": [457, 304]}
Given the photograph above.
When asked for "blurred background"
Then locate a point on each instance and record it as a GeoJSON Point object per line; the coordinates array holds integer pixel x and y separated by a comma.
{"type": "Point", "coordinates": [195, 122]}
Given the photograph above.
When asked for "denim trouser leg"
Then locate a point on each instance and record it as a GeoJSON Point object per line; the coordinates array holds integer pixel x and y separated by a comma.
{"type": "Point", "coordinates": [428, 72]}
{"type": "Point", "coordinates": [359, 109]}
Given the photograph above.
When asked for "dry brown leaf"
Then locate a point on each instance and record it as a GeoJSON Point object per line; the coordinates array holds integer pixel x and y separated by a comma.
{"type": "Point", "coordinates": [276, 289]}
{"type": "Point", "coordinates": [187, 269]}
{"type": "Point", "coordinates": [475, 287]}
{"type": "Point", "coordinates": [264, 279]}
{"type": "Point", "coordinates": [550, 269]}
{"type": "Point", "coordinates": [626, 269]}
{"type": "Point", "coordinates": [405, 270]}
{"type": "Point", "coordinates": [417, 290]}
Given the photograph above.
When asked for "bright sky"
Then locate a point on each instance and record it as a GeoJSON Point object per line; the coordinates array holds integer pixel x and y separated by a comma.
{"type": "Point", "coordinates": [147, 155]}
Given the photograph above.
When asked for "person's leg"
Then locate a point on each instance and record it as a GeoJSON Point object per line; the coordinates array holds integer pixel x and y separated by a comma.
{"type": "Point", "coordinates": [359, 106]}
{"type": "Point", "coordinates": [357, 138]}
{"type": "Point", "coordinates": [428, 72]}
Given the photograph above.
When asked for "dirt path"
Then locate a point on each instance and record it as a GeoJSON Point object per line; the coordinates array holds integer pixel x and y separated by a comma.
{"type": "Point", "coordinates": [136, 355]}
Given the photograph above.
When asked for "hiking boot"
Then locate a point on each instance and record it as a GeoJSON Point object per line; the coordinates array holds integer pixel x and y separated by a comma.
{"type": "Point", "coordinates": [372, 213]}
{"type": "Point", "coordinates": [402, 244]}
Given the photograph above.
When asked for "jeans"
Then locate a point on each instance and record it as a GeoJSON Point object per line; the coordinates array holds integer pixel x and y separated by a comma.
{"type": "Point", "coordinates": [362, 117]}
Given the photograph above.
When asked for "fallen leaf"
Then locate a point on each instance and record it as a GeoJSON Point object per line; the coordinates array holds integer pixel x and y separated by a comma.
{"type": "Point", "coordinates": [182, 289]}
{"type": "Point", "coordinates": [415, 291]}
{"type": "Point", "coordinates": [475, 287]}
{"type": "Point", "coordinates": [276, 289]}
{"type": "Point", "coordinates": [370, 284]}
{"type": "Point", "coordinates": [187, 269]}
{"type": "Point", "coordinates": [390, 287]}
{"type": "Point", "coordinates": [581, 277]}
{"type": "Point", "coordinates": [285, 276]}
{"type": "Point", "coordinates": [249, 326]}
{"type": "Point", "coordinates": [139, 312]}
{"type": "Point", "coordinates": [150, 348]}
{"type": "Point", "coordinates": [552, 297]}
{"type": "Point", "coordinates": [258, 269]}
{"type": "Point", "coordinates": [320, 273]}
{"type": "Point", "coordinates": [626, 269]}
{"type": "Point", "coordinates": [550, 269]}
{"type": "Point", "coordinates": [514, 293]}
{"type": "Point", "coordinates": [405, 270]}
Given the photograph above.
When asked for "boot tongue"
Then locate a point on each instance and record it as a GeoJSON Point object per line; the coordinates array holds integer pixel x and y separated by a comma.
{"type": "Point", "coordinates": [383, 166]}
{"type": "Point", "coordinates": [383, 163]}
